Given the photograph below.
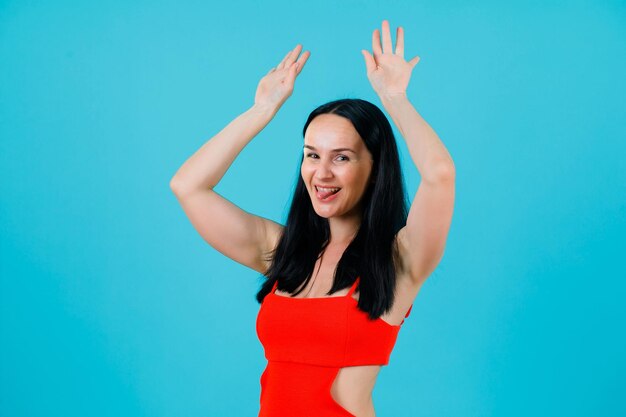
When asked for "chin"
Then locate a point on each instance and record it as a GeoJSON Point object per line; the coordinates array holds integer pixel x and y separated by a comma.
{"type": "Point", "coordinates": [325, 214]}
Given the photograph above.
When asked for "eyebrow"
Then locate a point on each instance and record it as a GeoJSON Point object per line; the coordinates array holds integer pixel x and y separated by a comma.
{"type": "Point", "coordinates": [334, 150]}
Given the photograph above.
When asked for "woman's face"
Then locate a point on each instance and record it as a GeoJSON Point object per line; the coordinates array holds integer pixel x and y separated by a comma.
{"type": "Point", "coordinates": [335, 156]}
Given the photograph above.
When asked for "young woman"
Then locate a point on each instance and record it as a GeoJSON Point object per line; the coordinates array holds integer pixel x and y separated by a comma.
{"type": "Point", "coordinates": [343, 272]}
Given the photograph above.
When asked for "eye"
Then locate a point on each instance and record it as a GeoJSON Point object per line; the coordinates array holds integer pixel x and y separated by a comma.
{"type": "Point", "coordinates": [311, 154]}
{"type": "Point", "coordinates": [343, 156]}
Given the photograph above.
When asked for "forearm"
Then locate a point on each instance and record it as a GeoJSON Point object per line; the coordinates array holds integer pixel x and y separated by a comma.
{"type": "Point", "coordinates": [427, 152]}
{"type": "Point", "coordinates": [205, 168]}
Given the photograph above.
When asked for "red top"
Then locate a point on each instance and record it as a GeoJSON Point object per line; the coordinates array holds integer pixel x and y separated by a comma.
{"type": "Point", "coordinates": [323, 331]}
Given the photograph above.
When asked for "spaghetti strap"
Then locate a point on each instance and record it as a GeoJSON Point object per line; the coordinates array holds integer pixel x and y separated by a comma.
{"type": "Point", "coordinates": [407, 314]}
{"type": "Point", "coordinates": [274, 287]}
{"type": "Point", "coordinates": [356, 282]}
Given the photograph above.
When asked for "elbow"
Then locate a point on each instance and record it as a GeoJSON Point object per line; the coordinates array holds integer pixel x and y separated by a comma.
{"type": "Point", "coordinates": [441, 172]}
{"type": "Point", "coordinates": [182, 188]}
{"type": "Point", "coordinates": [177, 186]}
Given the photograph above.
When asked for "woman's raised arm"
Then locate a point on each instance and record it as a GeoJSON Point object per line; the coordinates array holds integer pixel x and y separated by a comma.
{"type": "Point", "coordinates": [422, 241]}
{"type": "Point", "coordinates": [241, 236]}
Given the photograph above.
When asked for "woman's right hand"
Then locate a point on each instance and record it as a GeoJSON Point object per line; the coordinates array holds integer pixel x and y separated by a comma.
{"type": "Point", "coordinates": [277, 85]}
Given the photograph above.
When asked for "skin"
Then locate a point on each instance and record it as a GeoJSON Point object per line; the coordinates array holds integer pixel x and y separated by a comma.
{"type": "Point", "coordinates": [348, 169]}
{"type": "Point", "coordinates": [389, 75]}
{"type": "Point", "coordinates": [245, 238]}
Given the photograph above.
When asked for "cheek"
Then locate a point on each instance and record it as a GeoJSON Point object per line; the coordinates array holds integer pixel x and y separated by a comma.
{"type": "Point", "coordinates": [362, 179]}
{"type": "Point", "coordinates": [357, 177]}
{"type": "Point", "coordinates": [305, 172]}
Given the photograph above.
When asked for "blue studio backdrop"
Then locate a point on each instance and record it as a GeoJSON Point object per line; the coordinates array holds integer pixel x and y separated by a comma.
{"type": "Point", "coordinates": [111, 304]}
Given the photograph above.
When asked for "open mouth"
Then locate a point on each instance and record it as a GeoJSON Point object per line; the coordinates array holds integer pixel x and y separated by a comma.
{"type": "Point", "coordinates": [326, 193]}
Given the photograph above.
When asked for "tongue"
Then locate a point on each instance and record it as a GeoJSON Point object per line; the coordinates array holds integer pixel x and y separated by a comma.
{"type": "Point", "coordinates": [324, 194]}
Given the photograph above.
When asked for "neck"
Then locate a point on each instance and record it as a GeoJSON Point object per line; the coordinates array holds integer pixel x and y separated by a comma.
{"type": "Point", "coordinates": [343, 230]}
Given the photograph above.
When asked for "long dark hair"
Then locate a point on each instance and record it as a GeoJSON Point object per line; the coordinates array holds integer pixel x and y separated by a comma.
{"type": "Point", "coordinates": [372, 255]}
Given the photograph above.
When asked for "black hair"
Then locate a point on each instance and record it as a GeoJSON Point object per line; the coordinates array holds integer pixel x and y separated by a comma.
{"type": "Point", "coordinates": [372, 255]}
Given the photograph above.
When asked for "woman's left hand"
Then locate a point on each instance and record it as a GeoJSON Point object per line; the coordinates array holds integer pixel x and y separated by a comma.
{"type": "Point", "coordinates": [388, 73]}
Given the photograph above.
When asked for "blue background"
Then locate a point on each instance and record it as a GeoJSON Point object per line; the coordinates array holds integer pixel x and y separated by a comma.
{"type": "Point", "coordinates": [112, 304]}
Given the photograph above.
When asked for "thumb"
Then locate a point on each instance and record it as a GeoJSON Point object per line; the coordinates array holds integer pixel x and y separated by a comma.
{"type": "Point", "coordinates": [414, 61]}
{"type": "Point", "coordinates": [370, 63]}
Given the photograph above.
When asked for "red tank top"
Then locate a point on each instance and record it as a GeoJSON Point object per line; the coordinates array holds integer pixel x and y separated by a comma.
{"type": "Point", "coordinates": [306, 341]}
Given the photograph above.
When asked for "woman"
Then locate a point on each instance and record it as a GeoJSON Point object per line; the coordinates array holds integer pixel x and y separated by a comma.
{"type": "Point", "coordinates": [344, 270]}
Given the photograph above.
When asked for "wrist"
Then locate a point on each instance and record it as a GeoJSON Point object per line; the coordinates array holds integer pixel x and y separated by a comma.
{"type": "Point", "coordinates": [263, 110]}
{"type": "Point", "coordinates": [393, 97]}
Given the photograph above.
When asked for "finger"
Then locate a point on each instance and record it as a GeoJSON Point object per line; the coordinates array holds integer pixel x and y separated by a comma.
{"type": "Point", "coordinates": [400, 42]}
{"type": "Point", "coordinates": [414, 61]}
{"type": "Point", "coordinates": [294, 54]}
{"type": "Point", "coordinates": [387, 48]}
{"type": "Point", "coordinates": [370, 63]}
{"type": "Point", "coordinates": [302, 60]}
{"type": "Point", "coordinates": [376, 43]}
{"type": "Point", "coordinates": [291, 75]}
{"type": "Point", "coordinates": [282, 63]}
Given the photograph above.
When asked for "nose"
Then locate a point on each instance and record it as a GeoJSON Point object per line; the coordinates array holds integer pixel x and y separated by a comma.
{"type": "Point", "coordinates": [324, 170]}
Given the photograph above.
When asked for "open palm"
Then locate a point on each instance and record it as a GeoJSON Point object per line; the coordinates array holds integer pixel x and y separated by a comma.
{"type": "Point", "coordinates": [277, 85]}
{"type": "Point", "coordinates": [387, 71]}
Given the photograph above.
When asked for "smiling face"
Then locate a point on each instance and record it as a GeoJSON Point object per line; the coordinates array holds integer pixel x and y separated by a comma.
{"type": "Point", "coordinates": [335, 156]}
